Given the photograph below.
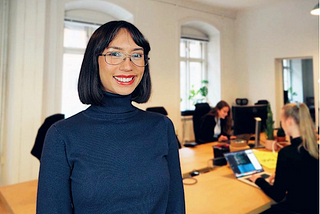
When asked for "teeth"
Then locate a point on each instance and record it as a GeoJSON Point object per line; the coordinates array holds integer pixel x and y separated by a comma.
{"type": "Point", "coordinates": [121, 79]}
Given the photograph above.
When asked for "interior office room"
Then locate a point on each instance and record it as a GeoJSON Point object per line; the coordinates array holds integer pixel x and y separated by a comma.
{"type": "Point", "coordinates": [247, 46]}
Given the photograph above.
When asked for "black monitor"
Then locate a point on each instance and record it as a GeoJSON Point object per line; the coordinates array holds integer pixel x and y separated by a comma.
{"type": "Point", "coordinates": [243, 118]}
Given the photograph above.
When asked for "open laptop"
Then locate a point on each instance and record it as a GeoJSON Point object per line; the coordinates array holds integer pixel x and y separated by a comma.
{"type": "Point", "coordinates": [244, 163]}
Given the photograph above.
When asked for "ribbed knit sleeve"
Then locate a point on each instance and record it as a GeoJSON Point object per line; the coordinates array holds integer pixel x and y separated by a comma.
{"type": "Point", "coordinates": [54, 195]}
{"type": "Point", "coordinates": [176, 203]}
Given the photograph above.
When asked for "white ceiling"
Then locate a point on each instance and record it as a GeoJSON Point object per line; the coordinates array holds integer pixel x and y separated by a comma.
{"type": "Point", "coordinates": [234, 4]}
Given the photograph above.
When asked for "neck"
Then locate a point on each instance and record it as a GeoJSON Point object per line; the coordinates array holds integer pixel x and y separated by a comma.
{"type": "Point", "coordinates": [295, 132]}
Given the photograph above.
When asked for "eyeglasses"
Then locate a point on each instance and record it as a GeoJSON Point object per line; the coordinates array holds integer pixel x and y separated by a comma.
{"type": "Point", "coordinates": [116, 58]}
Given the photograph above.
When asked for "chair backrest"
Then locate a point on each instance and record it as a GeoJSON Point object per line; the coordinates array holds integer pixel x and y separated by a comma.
{"type": "Point", "coordinates": [38, 144]}
{"type": "Point", "coordinates": [260, 102]}
{"type": "Point", "coordinates": [200, 110]}
{"type": "Point", "coordinates": [158, 109]}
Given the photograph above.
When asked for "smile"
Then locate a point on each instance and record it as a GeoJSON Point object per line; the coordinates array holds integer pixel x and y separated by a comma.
{"type": "Point", "coordinates": [124, 80]}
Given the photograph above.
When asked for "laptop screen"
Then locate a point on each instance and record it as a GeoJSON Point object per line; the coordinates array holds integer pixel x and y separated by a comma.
{"type": "Point", "coordinates": [243, 162]}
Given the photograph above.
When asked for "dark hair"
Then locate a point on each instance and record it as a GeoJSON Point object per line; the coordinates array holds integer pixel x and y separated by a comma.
{"type": "Point", "coordinates": [228, 119]}
{"type": "Point", "coordinates": [90, 88]}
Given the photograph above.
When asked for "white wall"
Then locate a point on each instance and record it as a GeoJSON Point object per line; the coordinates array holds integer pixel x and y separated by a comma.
{"type": "Point", "coordinates": [284, 29]}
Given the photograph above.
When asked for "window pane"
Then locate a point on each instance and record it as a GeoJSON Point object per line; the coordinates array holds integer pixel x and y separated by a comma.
{"type": "Point", "coordinates": [195, 49]}
{"type": "Point", "coordinates": [71, 104]}
{"type": "Point", "coordinates": [183, 86]}
{"type": "Point", "coordinates": [183, 48]}
{"type": "Point", "coordinates": [195, 82]}
{"type": "Point", "coordinates": [75, 35]}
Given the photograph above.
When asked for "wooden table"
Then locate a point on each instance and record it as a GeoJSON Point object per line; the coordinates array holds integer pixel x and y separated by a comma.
{"type": "Point", "coordinates": [218, 191]}
{"type": "Point", "coordinates": [19, 198]}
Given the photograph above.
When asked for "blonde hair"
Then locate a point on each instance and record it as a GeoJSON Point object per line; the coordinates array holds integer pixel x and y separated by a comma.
{"type": "Point", "coordinates": [300, 113]}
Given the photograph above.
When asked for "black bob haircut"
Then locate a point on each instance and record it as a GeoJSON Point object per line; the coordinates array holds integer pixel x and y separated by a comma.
{"type": "Point", "coordinates": [90, 88]}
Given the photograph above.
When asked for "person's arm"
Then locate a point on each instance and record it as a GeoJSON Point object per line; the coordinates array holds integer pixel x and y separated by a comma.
{"type": "Point", "coordinates": [54, 192]}
{"type": "Point", "coordinates": [278, 190]}
{"type": "Point", "coordinates": [176, 203]}
{"type": "Point", "coordinates": [207, 130]}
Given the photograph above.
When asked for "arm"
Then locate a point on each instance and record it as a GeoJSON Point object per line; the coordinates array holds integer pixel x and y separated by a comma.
{"type": "Point", "coordinates": [176, 203]}
{"type": "Point", "coordinates": [54, 192]}
{"type": "Point", "coordinates": [277, 191]}
{"type": "Point", "coordinates": [207, 130]}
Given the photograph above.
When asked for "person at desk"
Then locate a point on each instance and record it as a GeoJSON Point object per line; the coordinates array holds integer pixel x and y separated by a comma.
{"type": "Point", "coordinates": [112, 157]}
{"type": "Point", "coordinates": [216, 125]}
{"type": "Point", "coordinates": [297, 171]}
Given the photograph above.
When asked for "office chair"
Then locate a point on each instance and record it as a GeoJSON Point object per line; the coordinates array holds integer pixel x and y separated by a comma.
{"type": "Point", "coordinates": [201, 109]}
{"type": "Point", "coordinates": [158, 109]}
{"type": "Point", "coordinates": [38, 144]}
{"type": "Point", "coordinates": [261, 102]}
{"type": "Point", "coordinates": [161, 110]}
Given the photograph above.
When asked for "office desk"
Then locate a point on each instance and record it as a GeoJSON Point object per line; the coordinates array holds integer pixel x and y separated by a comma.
{"type": "Point", "coordinates": [19, 198]}
{"type": "Point", "coordinates": [218, 191]}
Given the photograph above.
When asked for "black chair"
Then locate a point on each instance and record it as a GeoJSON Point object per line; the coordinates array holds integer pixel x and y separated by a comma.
{"type": "Point", "coordinates": [162, 110]}
{"type": "Point", "coordinates": [38, 144]}
{"type": "Point", "coordinates": [262, 102]}
{"type": "Point", "coordinates": [201, 109]}
{"type": "Point", "coordinates": [158, 109]}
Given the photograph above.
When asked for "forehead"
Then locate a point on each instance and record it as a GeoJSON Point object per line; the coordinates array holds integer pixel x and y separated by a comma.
{"type": "Point", "coordinates": [225, 108]}
{"type": "Point", "coordinates": [123, 40]}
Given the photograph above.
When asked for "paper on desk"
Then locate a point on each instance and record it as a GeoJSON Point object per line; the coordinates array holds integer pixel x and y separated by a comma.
{"type": "Point", "coordinates": [267, 159]}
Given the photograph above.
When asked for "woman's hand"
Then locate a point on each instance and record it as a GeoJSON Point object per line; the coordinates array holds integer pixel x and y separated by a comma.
{"type": "Point", "coordinates": [232, 137]}
{"type": "Point", "coordinates": [254, 177]}
{"type": "Point", "coordinates": [271, 178]}
{"type": "Point", "coordinates": [222, 138]}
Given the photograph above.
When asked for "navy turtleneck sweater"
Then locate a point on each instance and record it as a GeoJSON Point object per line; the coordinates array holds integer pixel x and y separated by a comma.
{"type": "Point", "coordinates": [113, 158]}
{"type": "Point", "coordinates": [297, 180]}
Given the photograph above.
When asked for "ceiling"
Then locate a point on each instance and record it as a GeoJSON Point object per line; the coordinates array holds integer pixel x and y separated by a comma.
{"type": "Point", "coordinates": [234, 4]}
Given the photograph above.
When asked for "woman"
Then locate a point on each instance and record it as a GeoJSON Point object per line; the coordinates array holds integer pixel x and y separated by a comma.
{"type": "Point", "coordinates": [216, 125]}
{"type": "Point", "coordinates": [112, 157]}
{"type": "Point", "coordinates": [297, 171]}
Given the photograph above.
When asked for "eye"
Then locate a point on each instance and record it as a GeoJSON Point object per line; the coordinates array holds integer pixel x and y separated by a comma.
{"type": "Point", "coordinates": [114, 54]}
{"type": "Point", "coordinates": [137, 55]}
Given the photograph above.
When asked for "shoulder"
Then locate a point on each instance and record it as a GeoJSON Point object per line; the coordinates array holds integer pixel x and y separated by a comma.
{"type": "Point", "coordinates": [68, 123]}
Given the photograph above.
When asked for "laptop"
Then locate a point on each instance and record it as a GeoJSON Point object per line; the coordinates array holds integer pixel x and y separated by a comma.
{"type": "Point", "coordinates": [244, 163]}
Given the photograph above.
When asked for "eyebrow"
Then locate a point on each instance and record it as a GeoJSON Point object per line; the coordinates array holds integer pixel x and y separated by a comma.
{"type": "Point", "coordinates": [118, 48]}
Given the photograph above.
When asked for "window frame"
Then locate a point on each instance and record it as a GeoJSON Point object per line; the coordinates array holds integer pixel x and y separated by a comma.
{"type": "Point", "coordinates": [187, 59]}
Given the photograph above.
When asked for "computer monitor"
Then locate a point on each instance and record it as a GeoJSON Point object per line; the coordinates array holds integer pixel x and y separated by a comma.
{"type": "Point", "coordinates": [243, 118]}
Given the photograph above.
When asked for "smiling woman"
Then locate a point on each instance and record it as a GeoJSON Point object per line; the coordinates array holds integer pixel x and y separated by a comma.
{"type": "Point", "coordinates": [112, 157]}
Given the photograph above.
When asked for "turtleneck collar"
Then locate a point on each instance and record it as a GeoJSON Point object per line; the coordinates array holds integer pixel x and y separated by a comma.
{"type": "Point", "coordinates": [296, 141]}
{"type": "Point", "coordinates": [114, 106]}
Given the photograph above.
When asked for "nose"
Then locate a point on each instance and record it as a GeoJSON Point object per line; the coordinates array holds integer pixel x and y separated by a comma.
{"type": "Point", "coordinates": [126, 64]}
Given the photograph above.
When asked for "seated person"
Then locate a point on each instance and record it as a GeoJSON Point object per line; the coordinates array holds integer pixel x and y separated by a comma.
{"type": "Point", "coordinates": [296, 181]}
{"type": "Point", "coordinates": [216, 125]}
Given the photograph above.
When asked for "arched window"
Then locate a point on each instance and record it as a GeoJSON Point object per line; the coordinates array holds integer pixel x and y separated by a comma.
{"type": "Point", "coordinates": [199, 64]}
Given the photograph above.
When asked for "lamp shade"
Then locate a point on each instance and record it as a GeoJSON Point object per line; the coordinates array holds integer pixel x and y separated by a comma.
{"type": "Point", "coordinates": [315, 10]}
